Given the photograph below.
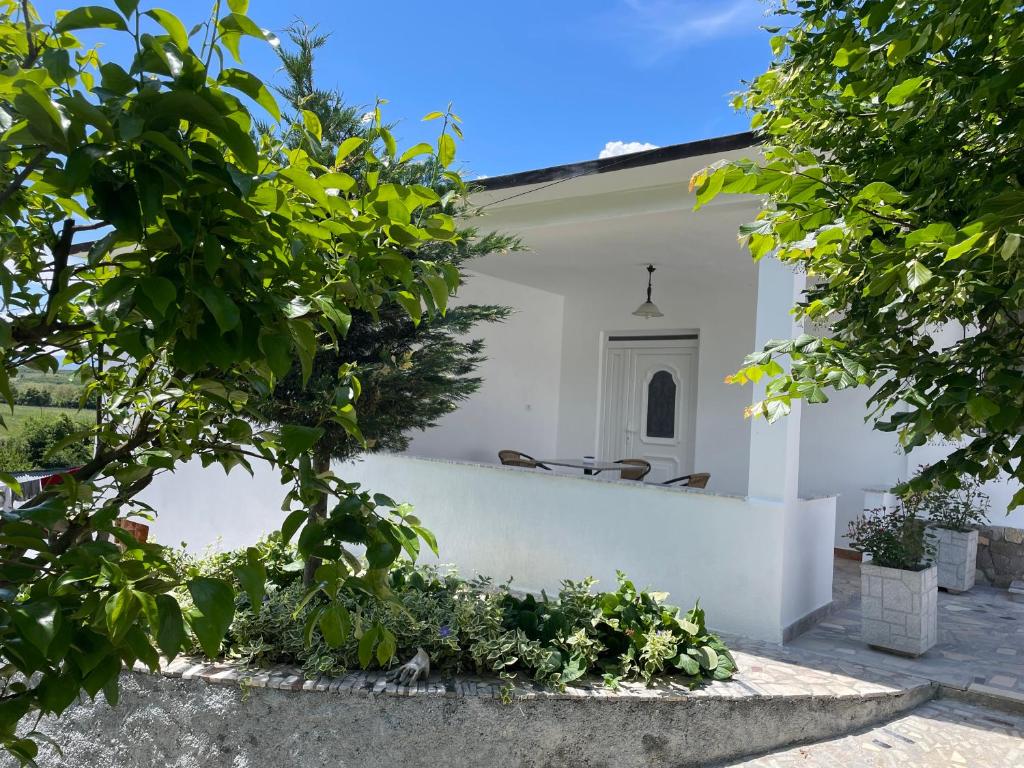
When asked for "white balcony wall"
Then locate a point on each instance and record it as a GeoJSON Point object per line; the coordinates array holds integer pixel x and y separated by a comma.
{"type": "Point", "coordinates": [757, 566]}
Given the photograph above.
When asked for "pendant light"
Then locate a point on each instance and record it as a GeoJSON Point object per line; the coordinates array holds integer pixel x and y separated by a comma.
{"type": "Point", "coordinates": [648, 309]}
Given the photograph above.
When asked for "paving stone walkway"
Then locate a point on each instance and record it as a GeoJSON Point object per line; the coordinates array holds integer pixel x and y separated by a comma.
{"type": "Point", "coordinates": [980, 647]}
{"type": "Point", "coordinates": [940, 733]}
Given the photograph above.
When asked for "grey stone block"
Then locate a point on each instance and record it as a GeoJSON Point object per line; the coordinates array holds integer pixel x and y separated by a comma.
{"type": "Point", "coordinates": [892, 623]}
{"type": "Point", "coordinates": [956, 554]}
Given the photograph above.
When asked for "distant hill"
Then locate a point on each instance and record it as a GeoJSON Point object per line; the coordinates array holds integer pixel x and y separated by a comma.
{"type": "Point", "coordinates": [61, 389]}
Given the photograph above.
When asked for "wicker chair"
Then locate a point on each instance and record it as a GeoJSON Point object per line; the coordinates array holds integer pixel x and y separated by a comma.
{"type": "Point", "coordinates": [696, 480]}
{"type": "Point", "coordinates": [639, 469]}
{"type": "Point", "coordinates": [517, 459]}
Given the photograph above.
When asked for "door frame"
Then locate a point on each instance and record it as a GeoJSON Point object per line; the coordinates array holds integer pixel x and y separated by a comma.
{"type": "Point", "coordinates": [685, 338]}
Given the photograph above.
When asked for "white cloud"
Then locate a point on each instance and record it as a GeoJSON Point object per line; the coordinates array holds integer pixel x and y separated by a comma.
{"type": "Point", "coordinates": [661, 27]}
{"type": "Point", "coordinates": [616, 148]}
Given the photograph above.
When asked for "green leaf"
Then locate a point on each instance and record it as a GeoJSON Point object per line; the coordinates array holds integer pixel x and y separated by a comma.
{"type": "Point", "coordinates": [366, 645]}
{"type": "Point", "coordinates": [410, 303]}
{"type": "Point", "coordinates": [382, 551]}
{"type": "Point", "coordinates": [252, 87]}
{"type": "Point", "coordinates": [223, 309]}
{"type": "Point", "coordinates": [312, 124]}
{"type": "Point", "coordinates": [917, 275]}
{"type": "Point", "coordinates": [252, 576]}
{"type": "Point", "coordinates": [386, 648]}
{"type": "Point", "coordinates": [958, 250]}
{"type": "Point", "coordinates": [348, 146]}
{"type": "Point", "coordinates": [687, 664]}
{"type": "Point", "coordinates": [91, 17]}
{"type": "Point", "coordinates": [1011, 245]}
{"type": "Point", "coordinates": [301, 180]}
{"type": "Point", "coordinates": [127, 7]}
{"type": "Point", "coordinates": [438, 290]}
{"type": "Point", "coordinates": [292, 523]}
{"type": "Point", "coordinates": [898, 94]}
{"type": "Point", "coordinates": [981, 409]}
{"type": "Point", "coordinates": [38, 621]}
{"type": "Point", "coordinates": [420, 149]}
{"type": "Point", "coordinates": [445, 149]}
{"type": "Point", "coordinates": [708, 658]}
{"type": "Point", "coordinates": [160, 291]}
{"type": "Point", "coordinates": [170, 22]}
{"type": "Point", "coordinates": [335, 625]}
{"type": "Point", "coordinates": [171, 630]}
{"type": "Point", "coordinates": [216, 603]}
{"type": "Point", "coordinates": [121, 610]}
{"type": "Point", "coordinates": [298, 439]}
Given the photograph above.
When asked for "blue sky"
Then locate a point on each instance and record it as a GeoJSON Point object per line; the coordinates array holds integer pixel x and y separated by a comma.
{"type": "Point", "coordinates": [537, 82]}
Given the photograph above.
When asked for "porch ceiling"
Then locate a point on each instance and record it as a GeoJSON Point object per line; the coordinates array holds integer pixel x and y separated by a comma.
{"type": "Point", "coordinates": [605, 228]}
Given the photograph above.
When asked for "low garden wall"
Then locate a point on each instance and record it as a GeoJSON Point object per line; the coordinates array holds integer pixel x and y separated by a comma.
{"type": "Point", "coordinates": [194, 722]}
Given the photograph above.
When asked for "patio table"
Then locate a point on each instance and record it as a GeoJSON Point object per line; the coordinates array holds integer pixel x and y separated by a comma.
{"type": "Point", "coordinates": [588, 468]}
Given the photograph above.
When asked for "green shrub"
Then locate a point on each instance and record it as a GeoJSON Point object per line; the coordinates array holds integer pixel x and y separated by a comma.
{"type": "Point", "coordinates": [474, 626]}
{"type": "Point", "coordinates": [895, 538]}
{"type": "Point", "coordinates": [44, 442]}
{"type": "Point", "coordinates": [958, 509]}
{"type": "Point", "coordinates": [13, 457]}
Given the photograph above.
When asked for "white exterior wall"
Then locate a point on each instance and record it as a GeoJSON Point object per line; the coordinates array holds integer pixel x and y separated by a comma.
{"type": "Point", "coordinates": [204, 507]}
{"type": "Point", "coordinates": [517, 404]}
{"type": "Point", "coordinates": [807, 557]}
{"type": "Point", "coordinates": [737, 556]}
{"type": "Point", "coordinates": [756, 566]}
{"type": "Point", "coordinates": [721, 310]}
{"type": "Point", "coordinates": [841, 454]}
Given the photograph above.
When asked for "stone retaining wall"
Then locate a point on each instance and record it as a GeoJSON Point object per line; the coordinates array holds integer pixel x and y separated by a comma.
{"type": "Point", "coordinates": [224, 718]}
{"type": "Point", "coordinates": [1000, 555]}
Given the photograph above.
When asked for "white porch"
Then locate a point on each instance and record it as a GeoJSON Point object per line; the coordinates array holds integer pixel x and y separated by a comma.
{"type": "Point", "coordinates": [758, 556]}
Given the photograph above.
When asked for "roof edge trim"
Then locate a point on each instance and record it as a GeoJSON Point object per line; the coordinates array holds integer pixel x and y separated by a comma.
{"type": "Point", "coordinates": [618, 163]}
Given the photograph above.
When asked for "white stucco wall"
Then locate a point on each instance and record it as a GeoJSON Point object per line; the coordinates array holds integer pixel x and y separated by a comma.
{"type": "Point", "coordinates": [737, 556]}
{"type": "Point", "coordinates": [721, 309]}
{"type": "Point", "coordinates": [841, 454]}
{"type": "Point", "coordinates": [517, 405]}
{"type": "Point", "coordinates": [807, 557]}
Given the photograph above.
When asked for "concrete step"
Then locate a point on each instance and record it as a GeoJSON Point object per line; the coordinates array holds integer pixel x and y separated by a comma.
{"type": "Point", "coordinates": [940, 733]}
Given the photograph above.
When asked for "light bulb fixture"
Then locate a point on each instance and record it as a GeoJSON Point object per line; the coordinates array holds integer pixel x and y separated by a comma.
{"type": "Point", "coordinates": [648, 309]}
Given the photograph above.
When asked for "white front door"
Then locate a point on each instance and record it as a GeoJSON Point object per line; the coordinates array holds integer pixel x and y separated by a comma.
{"type": "Point", "coordinates": [648, 401]}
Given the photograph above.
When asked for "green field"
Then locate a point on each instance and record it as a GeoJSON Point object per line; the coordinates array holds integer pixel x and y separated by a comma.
{"type": "Point", "coordinates": [22, 412]}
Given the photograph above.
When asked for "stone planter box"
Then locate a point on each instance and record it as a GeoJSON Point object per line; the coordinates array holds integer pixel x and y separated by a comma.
{"type": "Point", "coordinates": [899, 609]}
{"type": "Point", "coordinates": [956, 554]}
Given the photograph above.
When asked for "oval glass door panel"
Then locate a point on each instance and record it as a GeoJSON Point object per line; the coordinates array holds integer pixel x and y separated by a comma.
{"type": "Point", "coordinates": [661, 405]}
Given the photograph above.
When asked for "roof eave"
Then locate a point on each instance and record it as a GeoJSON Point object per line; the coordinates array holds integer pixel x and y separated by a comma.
{"type": "Point", "coordinates": [619, 163]}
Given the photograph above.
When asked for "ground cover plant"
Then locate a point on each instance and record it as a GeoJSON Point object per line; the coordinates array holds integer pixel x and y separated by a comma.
{"type": "Point", "coordinates": [466, 626]}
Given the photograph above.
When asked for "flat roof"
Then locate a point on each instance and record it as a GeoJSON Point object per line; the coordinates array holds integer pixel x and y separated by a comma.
{"type": "Point", "coordinates": [619, 162]}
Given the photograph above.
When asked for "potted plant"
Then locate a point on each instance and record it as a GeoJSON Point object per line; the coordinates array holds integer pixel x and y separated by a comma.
{"type": "Point", "coordinates": [953, 515]}
{"type": "Point", "coordinates": [899, 585]}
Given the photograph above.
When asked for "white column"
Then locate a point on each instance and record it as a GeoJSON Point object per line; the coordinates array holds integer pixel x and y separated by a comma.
{"type": "Point", "coordinates": [775, 448]}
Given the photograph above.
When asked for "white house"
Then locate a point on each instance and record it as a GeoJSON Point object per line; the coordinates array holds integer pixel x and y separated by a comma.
{"type": "Point", "coordinates": [574, 373]}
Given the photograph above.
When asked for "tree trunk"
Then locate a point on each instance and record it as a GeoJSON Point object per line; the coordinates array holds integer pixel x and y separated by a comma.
{"type": "Point", "coordinates": [321, 464]}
